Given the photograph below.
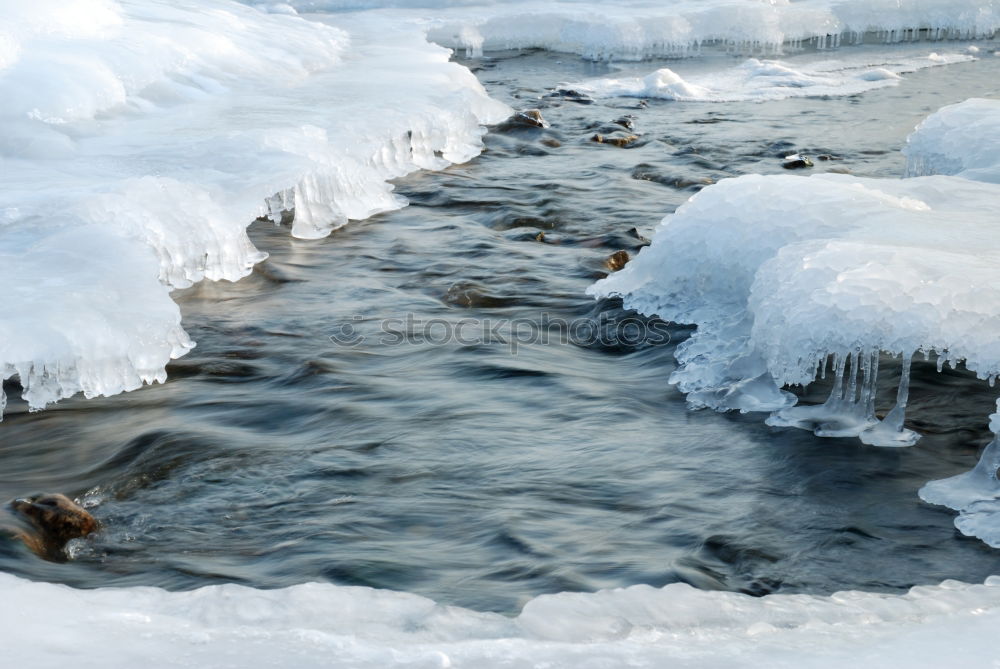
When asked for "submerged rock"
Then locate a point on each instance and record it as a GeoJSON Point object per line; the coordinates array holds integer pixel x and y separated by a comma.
{"type": "Point", "coordinates": [469, 295]}
{"type": "Point", "coordinates": [645, 172]}
{"type": "Point", "coordinates": [620, 140]}
{"type": "Point", "coordinates": [571, 95]}
{"type": "Point", "coordinates": [634, 232]}
{"type": "Point", "coordinates": [627, 121]}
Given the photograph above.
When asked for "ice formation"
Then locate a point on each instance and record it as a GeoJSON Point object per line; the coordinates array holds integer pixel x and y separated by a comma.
{"type": "Point", "coordinates": [776, 288]}
{"type": "Point", "coordinates": [974, 494]}
{"type": "Point", "coordinates": [638, 29]}
{"type": "Point", "coordinates": [872, 267]}
{"type": "Point", "coordinates": [767, 80]}
{"type": "Point", "coordinates": [960, 139]}
{"type": "Point", "coordinates": [142, 137]}
{"type": "Point", "coordinates": [322, 625]}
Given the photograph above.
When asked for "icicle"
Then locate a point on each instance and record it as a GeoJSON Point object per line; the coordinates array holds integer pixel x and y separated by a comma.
{"type": "Point", "coordinates": [890, 431]}
{"type": "Point", "coordinates": [839, 362]}
{"type": "Point", "coordinates": [852, 387]}
{"type": "Point", "coordinates": [866, 383]}
{"type": "Point", "coordinates": [873, 390]}
{"type": "Point", "coordinates": [898, 414]}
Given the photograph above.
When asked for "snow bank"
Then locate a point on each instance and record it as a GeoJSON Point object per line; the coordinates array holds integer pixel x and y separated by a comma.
{"type": "Point", "coordinates": [319, 625]}
{"type": "Point", "coordinates": [637, 29]}
{"type": "Point", "coordinates": [757, 80]}
{"type": "Point", "coordinates": [141, 137]}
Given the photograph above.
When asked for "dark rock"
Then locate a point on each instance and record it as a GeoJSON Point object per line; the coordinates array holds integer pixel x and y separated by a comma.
{"type": "Point", "coordinates": [646, 172]}
{"type": "Point", "coordinates": [796, 162]}
{"type": "Point", "coordinates": [627, 121]}
{"type": "Point", "coordinates": [570, 95]}
{"type": "Point", "coordinates": [634, 232]}
{"type": "Point", "coordinates": [551, 142]}
{"type": "Point", "coordinates": [530, 117]}
{"type": "Point", "coordinates": [523, 121]}
{"type": "Point", "coordinates": [469, 295]}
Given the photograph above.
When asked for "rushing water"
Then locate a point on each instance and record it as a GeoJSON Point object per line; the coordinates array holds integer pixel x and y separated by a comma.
{"type": "Point", "coordinates": [381, 407]}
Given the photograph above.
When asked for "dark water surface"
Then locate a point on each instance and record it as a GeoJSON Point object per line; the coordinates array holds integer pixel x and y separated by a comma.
{"type": "Point", "coordinates": [483, 472]}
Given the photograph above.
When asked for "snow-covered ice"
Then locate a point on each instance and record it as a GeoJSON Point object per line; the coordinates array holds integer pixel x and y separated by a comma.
{"type": "Point", "coordinates": [320, 625]}
{"type": "Point", "coordinates": [867, 267]}
{"type": "Point", "coordinates": [638, 29]}
{"type": "Point", "coordinates": [141, 138]}
{"type": "Point", "coordinates": [959, 139]}
{"type": "Point", "coordinates": [776, 287]}
{"type": "Point", "coordinates": [761, 80]}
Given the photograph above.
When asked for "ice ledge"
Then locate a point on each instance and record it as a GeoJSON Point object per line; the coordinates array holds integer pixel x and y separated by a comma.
{"type": "Point", "coordinates": [782, 273]}
{"type": "Point", "coordinates": [136, 166]}
{"type": "Point", "coordinates": [638, 29]}
{"type": "Point", "coordinates": [640, 626]}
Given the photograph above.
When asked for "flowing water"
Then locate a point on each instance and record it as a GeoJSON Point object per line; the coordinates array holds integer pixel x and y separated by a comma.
{"type": "Point", "coordinates": [427, 401]}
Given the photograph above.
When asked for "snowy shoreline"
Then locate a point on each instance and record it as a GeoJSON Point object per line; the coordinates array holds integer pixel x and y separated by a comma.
{"type": "Point", "coordinates": [321, 625]}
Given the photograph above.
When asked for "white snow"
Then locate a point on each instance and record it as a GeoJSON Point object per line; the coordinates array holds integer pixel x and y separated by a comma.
{"type": "Point", "coordinates": [142, 137]}
{"type": "Point", "coordinates": [760, 80]}
{"type": "Point", "coordinates": [638, 29]}
{"type": "Point", "coordinates": [318, 625]}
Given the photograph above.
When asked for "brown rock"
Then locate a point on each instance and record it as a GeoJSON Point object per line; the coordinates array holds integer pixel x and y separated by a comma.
{"type": "Point", "coordinates": [49, 522]}
{"type": "Point", "coordinates": [615, 140]}
{"type": "Point", "coordinates": [617, 260]}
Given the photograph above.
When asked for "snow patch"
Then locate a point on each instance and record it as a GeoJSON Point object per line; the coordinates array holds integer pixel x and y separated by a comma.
{"type": "Point", "coordinates": [760, 80]}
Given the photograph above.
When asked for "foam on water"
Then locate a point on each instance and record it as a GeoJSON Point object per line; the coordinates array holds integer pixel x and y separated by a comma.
{"type": "Point", "coordinates": [141, 139]}
{"type": "Point", "coordinates": [766, 80]}
{"type": "Point", "coordinates": [323, 625]}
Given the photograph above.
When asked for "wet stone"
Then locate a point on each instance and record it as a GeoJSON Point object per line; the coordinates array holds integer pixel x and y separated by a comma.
{"type": "Point", "coordinates": [571, 95]}
{"type": "Point", "coordinates": [617, 260]}
{"type": "Point", "coordinates": [617, 139]}
{"type": "Point", "coordinates": [796, 162]}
